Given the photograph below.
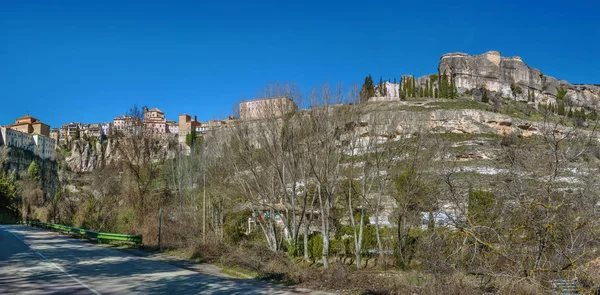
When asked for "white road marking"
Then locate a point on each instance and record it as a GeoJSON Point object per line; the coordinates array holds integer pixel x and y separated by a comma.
{"type": "Point", "coordinates": [56, 266]}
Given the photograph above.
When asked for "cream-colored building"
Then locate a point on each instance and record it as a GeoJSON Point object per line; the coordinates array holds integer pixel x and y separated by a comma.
{"type": "Point", "coordinates": [40, 145]}
{"type": "Point", "coordinates": [266, 108]}
{"type": "Point", "coordinates": [126, 124]}
{"type": "Point", "coordinates": [55, 134]}
{"type": "Point", "coordinates": [30, 125]}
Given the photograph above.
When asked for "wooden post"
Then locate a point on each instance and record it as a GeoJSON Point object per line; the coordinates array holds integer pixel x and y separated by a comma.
{"type": "Point", "coordinates": [159, 225]}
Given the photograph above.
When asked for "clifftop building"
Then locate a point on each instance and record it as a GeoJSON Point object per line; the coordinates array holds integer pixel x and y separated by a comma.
{"type": "Point", "coordinates": [30, 125]}
{"type": "Point", "coordinates": [29, 134]}
{"type": "Point", "coordinates": [154, 121]}
{"type": "Point", "coordinates": [266, 108]}
{"type": "Point", "coordinates": [186, 125]}
{"type": "Point", "coordinates": [126, 124]}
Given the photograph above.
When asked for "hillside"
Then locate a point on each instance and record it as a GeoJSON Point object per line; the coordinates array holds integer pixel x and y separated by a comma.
{"type": "Point", "coordinates": [502, 76]}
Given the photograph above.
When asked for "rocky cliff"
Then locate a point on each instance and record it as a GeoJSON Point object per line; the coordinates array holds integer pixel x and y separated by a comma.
{"type": "Point", "coordinates": [511, 77]}
{"type": "Point", "coordinates": [18, 160]}
{"type": "Point", "coordinates": [86, 156]}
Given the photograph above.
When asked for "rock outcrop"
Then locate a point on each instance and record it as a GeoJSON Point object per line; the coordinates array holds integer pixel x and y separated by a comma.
{"type": "Point", "coordinates": [86, 156]}
{"type": "Point", "coordinates": [511, 77]}
{"type": "Point", "coordinates": [18, 160]}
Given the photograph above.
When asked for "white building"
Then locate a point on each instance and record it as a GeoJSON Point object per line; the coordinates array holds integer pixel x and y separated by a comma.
{"type": "Point", "coordinates": [40, 145]}
{"type": "Point", "coordinates": [172, 127]}
{"type": "Point", "coordinates": [126, 124]}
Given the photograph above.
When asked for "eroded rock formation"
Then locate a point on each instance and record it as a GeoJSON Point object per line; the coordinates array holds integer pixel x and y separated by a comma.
{"type": "Point", "coordinates": [511, 77]}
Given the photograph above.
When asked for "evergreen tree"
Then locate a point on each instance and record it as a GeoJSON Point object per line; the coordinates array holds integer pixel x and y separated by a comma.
{"type": "Point", "coordinates": [382, 87]}
{"type": "Point", "coordinates": [561, 93]}
{"type": "Point", "coordinates": [444, 85]}
{"type": "Point", "coordinates": [8, 194]}
{"type": "Point", "coordinates": [561, 108]}
{"type": "Point", "coordinates": [33, 172]}
{"type": "Point", "coordinates": [190, 138]}
{"type": "Point", "coordinates": [395, 92]}
{"type": "Point", "coordinates": [452, 91]}
{"type": "Point", "coordinates": [426, 91]}
{"type": "Point", "coordinates": [77, 133]}
{"type": "Point", "coordinates": [484, 96]}
{"type": "Point", "coordinates": [421, 93]}
{"type": "Point", "coordinates": [402, 89]}
{"type": "Point", "coordinates": [368, 89]}
{"type": "Point", "coordinates": [435, 93]}
{"type": "Point", "coordinates": [582, 114]}
{"type": "Point", "coordinates": [480, 205]}
{"type": "Point", "coordinates": [414, 88]}
{"type": "Point", "coordinates": [430, 88]}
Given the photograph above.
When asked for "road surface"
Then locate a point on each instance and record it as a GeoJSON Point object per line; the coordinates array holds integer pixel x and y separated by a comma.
{"type": "Point", "coordinates": [36, 261]}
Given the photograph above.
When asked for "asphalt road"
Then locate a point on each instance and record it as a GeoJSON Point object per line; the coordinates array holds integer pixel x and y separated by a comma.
{"type": "Point", "coordinates": [35, 261]}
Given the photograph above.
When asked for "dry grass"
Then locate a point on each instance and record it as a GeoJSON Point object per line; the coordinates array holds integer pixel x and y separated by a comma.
{"type": "Point", "coordinates": [278, 267]}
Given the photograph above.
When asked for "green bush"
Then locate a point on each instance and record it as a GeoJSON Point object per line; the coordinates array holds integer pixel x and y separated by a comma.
{"type": "Point", "coordinates": [236, 224]}
{"type": "Point", "coordinates": [315, 246]}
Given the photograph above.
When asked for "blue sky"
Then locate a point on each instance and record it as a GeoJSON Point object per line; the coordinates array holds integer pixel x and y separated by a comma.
{"type": "Point", "coordinates": [89, 61]}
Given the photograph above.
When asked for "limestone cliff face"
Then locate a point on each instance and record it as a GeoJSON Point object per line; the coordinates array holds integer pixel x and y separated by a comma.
{"type": "Point", "coordinates": [18, 160]}
{"type": "Point", "coordinates": [497, 74]}
{"type": "Point", "coordinates": [465, 121]}
{"type": "Point", "coordinates": [86, 156]}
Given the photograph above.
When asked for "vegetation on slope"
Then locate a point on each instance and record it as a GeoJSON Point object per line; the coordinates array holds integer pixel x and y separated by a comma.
{"type": "Point", "coordinates": [329, 200]}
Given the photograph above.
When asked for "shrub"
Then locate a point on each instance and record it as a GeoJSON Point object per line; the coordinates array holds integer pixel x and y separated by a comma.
{"type": "Point", "coordinates": [235, 228]}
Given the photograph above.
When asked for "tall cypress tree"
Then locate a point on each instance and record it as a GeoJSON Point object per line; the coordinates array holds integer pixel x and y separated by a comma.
{"type": "Point", "coordinates": [414, 87]}
{"type": "Point", "coordinates": [484, 96]}
{"type": "Point", "coordinates": [436, 93]}
{"type": "Point", "coordinates": [402, 89]}
{"type": "Point", "coordinates": [444, 86]}
{"type": "Point", "coordinates": [426, 88]}
{"type": "Point", "coordinates": [368, 89]}
{"type": "Point", "coordinates": [395, 92]}
{"type": "Point", "coordinates": [430, 88]}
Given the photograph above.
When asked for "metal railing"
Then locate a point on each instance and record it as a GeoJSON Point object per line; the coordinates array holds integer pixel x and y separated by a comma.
{"type": "Point", "coordinates": [86, 234]}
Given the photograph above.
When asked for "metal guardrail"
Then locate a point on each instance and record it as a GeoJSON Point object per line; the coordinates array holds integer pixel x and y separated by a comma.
{"type": "Point", "coordinates": [86, 234]}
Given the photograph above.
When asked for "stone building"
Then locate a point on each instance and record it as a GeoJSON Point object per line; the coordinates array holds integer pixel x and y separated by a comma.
{"type": "Point", "coordinates": [30, 125]}
{"type": "Point", "coordinates": [266, 108]}
{"type": "Point", "coordinates": [186, 125]}
{"type": "Point", "coordinates": [154, 121]}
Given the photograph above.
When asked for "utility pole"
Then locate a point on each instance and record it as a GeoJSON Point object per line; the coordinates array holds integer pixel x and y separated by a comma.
{"type": "Point", "coordinates": [159, 225]}
{"type": "Point", "coordinates": [204, 209]}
